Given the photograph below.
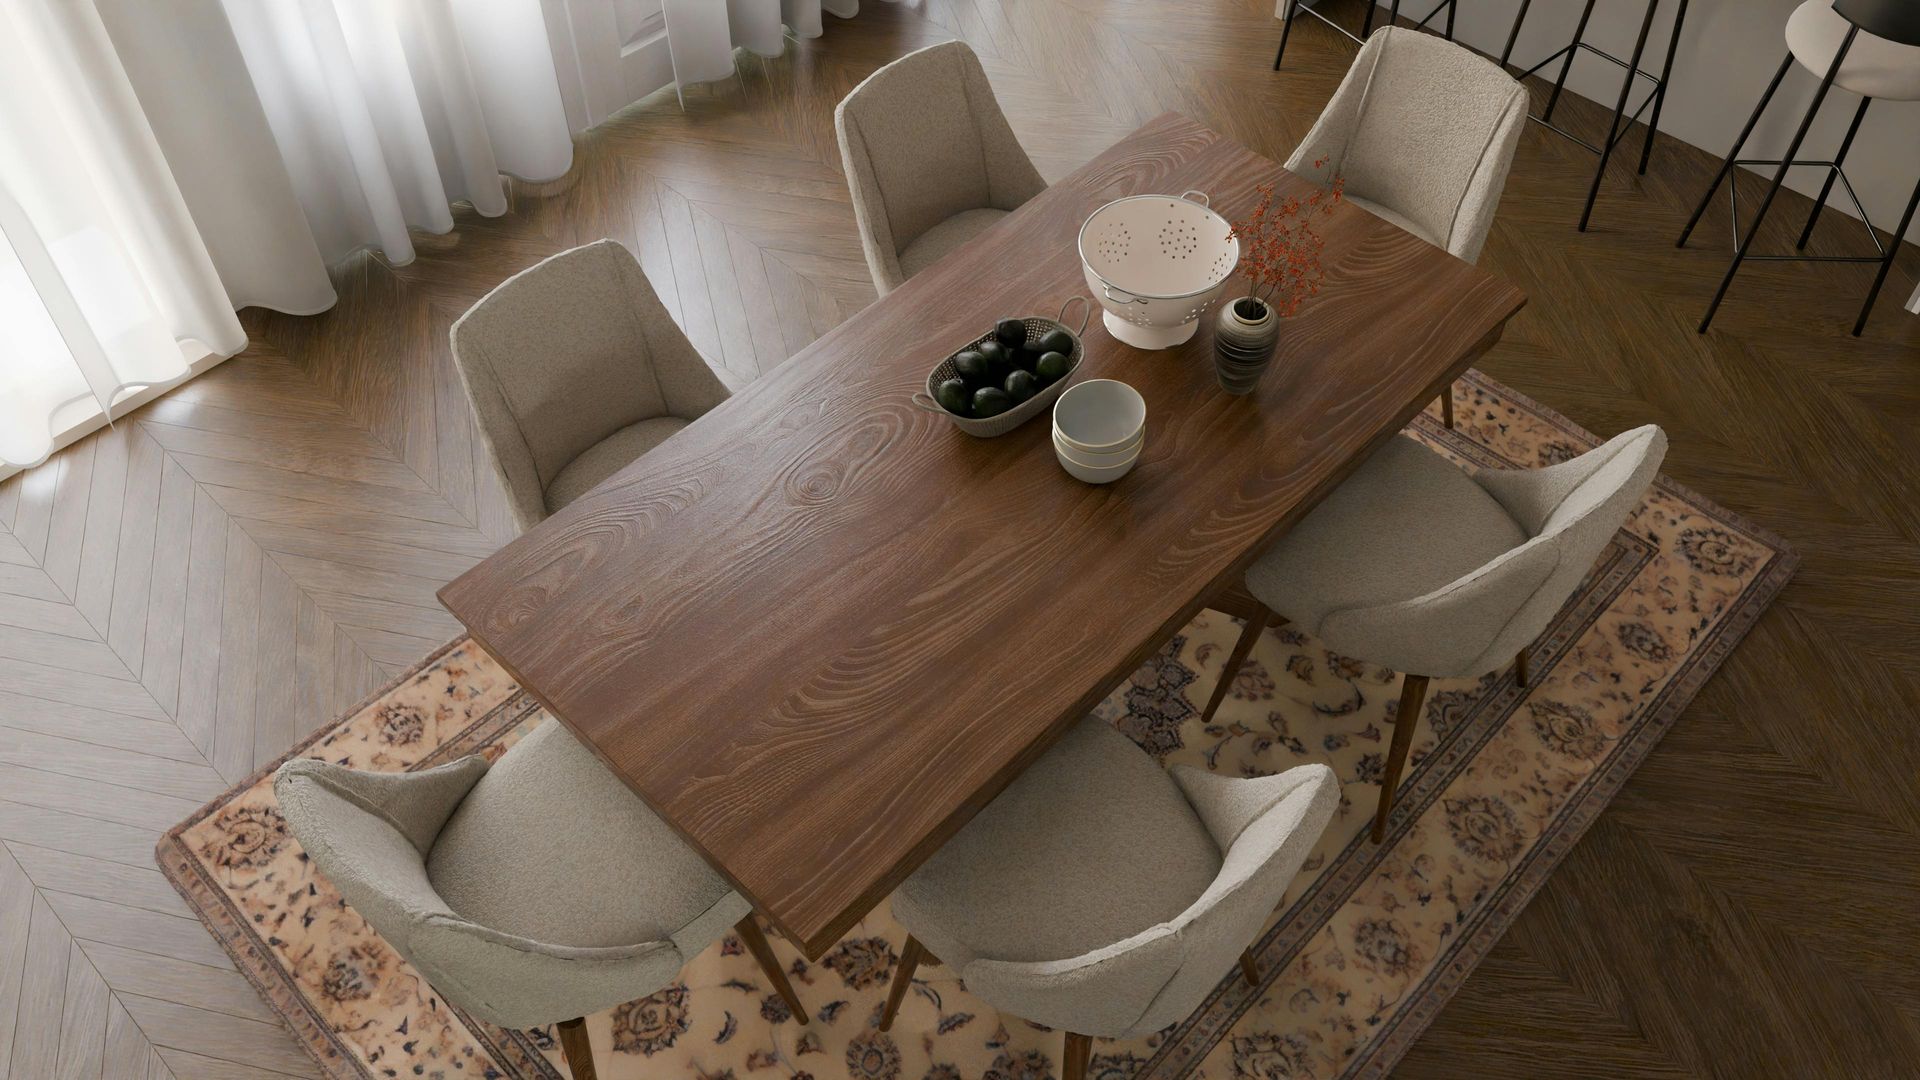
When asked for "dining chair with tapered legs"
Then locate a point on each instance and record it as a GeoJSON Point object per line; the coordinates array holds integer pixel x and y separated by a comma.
{"type": "Point", "coordinates": [1106, 896]}
{"type": "Point", "coordinates": [573, 369]}
{"type": "Point", "coordinates": [931, 161]}
{"type": "Point", "coordinates": [1421, 132]}
{"type": "Point", "coordinates": [1437, 572]}
{"type": "Point", "coordinates": [535, 891]}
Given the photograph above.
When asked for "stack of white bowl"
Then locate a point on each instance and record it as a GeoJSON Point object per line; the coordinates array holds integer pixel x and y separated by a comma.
{"type": "Point", "coordinates": [1099, 429]}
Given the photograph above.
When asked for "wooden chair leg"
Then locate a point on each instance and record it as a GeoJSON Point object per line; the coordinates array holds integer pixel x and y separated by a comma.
{"type": "Point", "coordinates": [1249, 969]}
{"type": "Point", "coordinates": [1073, 1064]}
{"type": "Point", "coordinates": [1521, 675]}
{"type": "Point", "coordinates": [577, 1048]}
{"type": "Point", "coordinates": [756, 943]}
{"type": "Point", "coordinates": [1249, 635]}
{"type": "Point", "coordinates": [1413, 695]}
{"type": "Point", "coordinates": [910, 958]}
{"type": "Point", "coordinates": [1446, 407]}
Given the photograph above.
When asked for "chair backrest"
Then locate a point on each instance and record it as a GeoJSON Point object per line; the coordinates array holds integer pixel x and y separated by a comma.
{"type": "Point", "coordinates": [564, 354]}
{"type": "Point", "coordinates": [369, 833]}
{"type": "Point", "coordinates": [923, 139]}
{"type": "Point", "coordinates": [1575, 508]}
{"type": "Point", "coordinates": [1424, 127]}
{"type": "Point", "coordinates": [1266, 828]}
{"type": "Point", "coordinates": [1477, 623]}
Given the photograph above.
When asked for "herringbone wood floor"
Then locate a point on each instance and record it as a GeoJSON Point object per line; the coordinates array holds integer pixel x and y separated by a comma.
{"type": "Point", "coordinates": [184, 595]}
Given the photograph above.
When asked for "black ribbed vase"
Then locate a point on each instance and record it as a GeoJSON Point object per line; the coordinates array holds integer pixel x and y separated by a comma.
{"type": "Point", "coordinates": [1244, 337]}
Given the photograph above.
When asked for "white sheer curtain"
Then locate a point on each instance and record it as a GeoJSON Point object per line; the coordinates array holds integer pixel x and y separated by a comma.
{"type": "Point", "coordinates": [104, 283]}
{"type": "Point", "coordinates": [386, 112]}
{"type": "Point", "coordinates": [702, 34]}
{"type": "Point", "coordinates": [164, 164]}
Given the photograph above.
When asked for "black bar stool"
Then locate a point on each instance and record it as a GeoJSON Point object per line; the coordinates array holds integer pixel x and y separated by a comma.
{"type": "Point", "coordinates": [1297, 7]}
{"type": "Point", "coordinates": [1657, 96]}
{"type": "Point", "coordinates": [1866, 47]}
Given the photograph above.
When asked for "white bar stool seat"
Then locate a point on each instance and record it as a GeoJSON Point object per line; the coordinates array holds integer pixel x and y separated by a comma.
{"type": "Point", "coordinates": [1874, 68]}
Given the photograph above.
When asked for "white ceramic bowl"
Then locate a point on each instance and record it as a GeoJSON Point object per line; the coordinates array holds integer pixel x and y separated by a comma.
{"type": "Point", "coordinates": [1100, 416]}
{"type": "Point", "coordinates": [1092, 475]}
{"type": "Point", "coordinates": [1099, 461]}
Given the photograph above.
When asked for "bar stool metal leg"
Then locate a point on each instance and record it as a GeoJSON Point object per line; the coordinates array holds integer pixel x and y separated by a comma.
{"type": "Point", "coordinates": [1726, 167]}
{"type": "Point", "coordinates": [1833, 173]}
{"type": "Point", "coordinates": [1452, 6]}
{"type": "Point", "coordinates": [1619, 109]}
{"type": "Point", "coordinates": [1886, 261]}
{"type": "Point", "coordinates": [1295, 7]}
{"type": "Point", "coordinates": [1566, 65]}
{"type": "Point", "coordinates": [1393, 18]}
{"type": "Point", "coordinates": [1780, 174]}
{"type": "Point", "coordinates": [1660, 88]}
{"type": "Point", "coordinates": [1293, 12]}
{"type": "Point", "coordinates": [1513, 35]}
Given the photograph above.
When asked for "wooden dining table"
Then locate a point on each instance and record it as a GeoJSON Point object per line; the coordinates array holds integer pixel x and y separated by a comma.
{"type": "Point", "coordinates": [820, 628]}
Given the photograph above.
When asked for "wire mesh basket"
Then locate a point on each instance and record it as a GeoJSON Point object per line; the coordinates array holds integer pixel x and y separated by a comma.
{"type": "Point", "coordinates": [1038, 326]}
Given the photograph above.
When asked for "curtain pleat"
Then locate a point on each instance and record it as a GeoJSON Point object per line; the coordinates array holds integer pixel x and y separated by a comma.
{"type": "Point", "coordinates": [106, 283]}
{"type": "Point", "coordinates": [702, 34]}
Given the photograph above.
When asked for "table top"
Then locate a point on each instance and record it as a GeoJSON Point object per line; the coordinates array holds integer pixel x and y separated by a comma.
{"type": "Point", "coordinates": [820, 628]}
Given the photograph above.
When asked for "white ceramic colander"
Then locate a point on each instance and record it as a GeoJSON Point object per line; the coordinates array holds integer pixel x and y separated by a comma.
{"type": "Point", "coordinates": [1155, 262]}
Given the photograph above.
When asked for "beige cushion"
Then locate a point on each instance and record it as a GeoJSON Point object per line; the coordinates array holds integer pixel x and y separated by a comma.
{"type": "Point", "coordinates": [1407, 522]}
{"type": "Point", "coordinates": [1394, 217]}
{"type": "Point", "coordinates": [1095, 826]}
{"type": "Point", "coordinates": [1874, 67]}
{"type": "Point", "coordinates": [608, 456]}
{"type": "Point", "coordinates": [551, 846]}
{"type": "Point", "coordinates": [1425, 129]}
{"type": "Point", "coordinates": [936, 243]}
{"type": "Point", "coordinates": [923, 140]}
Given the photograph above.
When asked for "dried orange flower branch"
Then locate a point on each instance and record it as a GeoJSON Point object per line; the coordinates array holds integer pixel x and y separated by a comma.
{"type": "Point", "coordinates": [1280, 248]}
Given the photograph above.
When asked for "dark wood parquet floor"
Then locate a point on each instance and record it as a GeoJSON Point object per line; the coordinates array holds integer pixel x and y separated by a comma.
{"type": "Point", "coordinates": [184, 595]}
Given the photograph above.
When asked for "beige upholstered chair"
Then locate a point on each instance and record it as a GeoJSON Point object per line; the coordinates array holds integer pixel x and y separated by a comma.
{"type": "Point", "coordinates": [1043, 906]}
{"type": "Point", "coordinates": [1423, 131]}
{"type": "Point", "coordinates": [930, 160]}
{"type": "Point", "coordinates": [538, 890]}
{"type": "Point", "coordinates": [574, 369]}
{"type": "Point", "coordinates": [1437, 573]}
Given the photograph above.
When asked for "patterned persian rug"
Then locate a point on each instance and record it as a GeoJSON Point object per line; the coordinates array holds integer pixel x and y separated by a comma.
{"type": "Point", "coordinates": [1367, 947]}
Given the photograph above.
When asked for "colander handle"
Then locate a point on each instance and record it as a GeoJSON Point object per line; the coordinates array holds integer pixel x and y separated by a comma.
{"type": "Point", "coordinates": [925, 401]}
{"type": "Point", "coordinates": [1203, 200]}
{"type": "Point", "coordinates": [1123, 298]}
{"type": "Point", "coordinates": [1086, 312]}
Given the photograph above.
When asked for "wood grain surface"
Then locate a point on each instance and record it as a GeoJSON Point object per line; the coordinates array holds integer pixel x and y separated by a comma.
{"type": "Point", "coordinates": [820, 628]}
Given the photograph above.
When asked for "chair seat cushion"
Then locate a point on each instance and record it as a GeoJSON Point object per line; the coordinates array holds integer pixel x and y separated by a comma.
{"type": "Point", "coordinates": [551, 846]}
{"type": "Point", "coordinates": [1091, 845]}
{"type": "Point", "coordinates": [1405, 523]}
{"type": "Point", "coordinates": [937, 242]}
{"type": "Point", "coordinates": [608, 456]}
{"type": "Point", "coordinates": [1393, 217]}
{"type": "Point", "coordinates": [1875, 67]}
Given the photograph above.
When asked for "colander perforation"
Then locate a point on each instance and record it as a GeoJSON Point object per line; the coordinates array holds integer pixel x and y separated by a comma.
{"type": "Point", "coordinates": [1164, 283]}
